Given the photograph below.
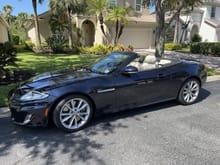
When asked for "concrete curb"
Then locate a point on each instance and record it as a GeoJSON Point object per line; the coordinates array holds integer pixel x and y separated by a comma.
{"type": "Point", "coordinates": [4, 109]}
{"type": "Point", "coordinates": [213, 78]}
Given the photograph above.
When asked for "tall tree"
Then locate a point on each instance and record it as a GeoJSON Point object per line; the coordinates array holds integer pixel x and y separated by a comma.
{"type": "Point", "coordinates": [188, 7]}
{"type": "Point", "coordinates": [7, 13]}
{"type": "Point", "coordinates": [23, 21]}
{"type": "Point", "coordinates": [98, 7]}
{"type": "Point", "coordinates": [36, 21]}
{"type": "Point", "coordinates": [69, 7]}
{"type": "Point", "coordinates": [163, 7]}
{"type": "Point", "coordinates": [118, 16]}
{"type": "Point", "coordinates": [8, 17]}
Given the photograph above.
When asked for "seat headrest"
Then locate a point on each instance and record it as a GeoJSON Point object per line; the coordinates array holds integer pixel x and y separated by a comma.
{"type": "Point", "coordinates": [150, 59]}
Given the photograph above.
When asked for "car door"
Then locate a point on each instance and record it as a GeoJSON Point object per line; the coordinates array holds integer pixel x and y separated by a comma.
{"type": "Point", "coordinates": [142, 88]}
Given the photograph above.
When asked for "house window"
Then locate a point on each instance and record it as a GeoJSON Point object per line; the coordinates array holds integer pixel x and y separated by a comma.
{"type": "Point", "coordinates": [112, 3]}
{"type": "Point", "coordinates": [138, 5]}
{"type": "Point", "coordinates": [213, 11]}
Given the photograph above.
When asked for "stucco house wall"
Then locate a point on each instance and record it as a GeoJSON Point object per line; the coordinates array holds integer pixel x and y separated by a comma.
{"type": "Point", "coordinates": [3, 30]}
{"type": "Point", "coordinates": [138, 32]}
{"type": "Point", "coordinates": [45, 31]}
{"type": "Point", "coordinates": [201, 19]}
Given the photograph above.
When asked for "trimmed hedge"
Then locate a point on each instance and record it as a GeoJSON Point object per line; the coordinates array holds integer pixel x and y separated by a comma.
{"type": "Point", "coordinates": [173, 46]}
{"type": "Point", "coordinates": [104, 49]}
{"type": "Point", "coordinates": [205, 48]}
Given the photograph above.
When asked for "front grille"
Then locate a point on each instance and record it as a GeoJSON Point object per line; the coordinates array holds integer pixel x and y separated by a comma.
{"type": "Point", "coordinates": [18, 116]}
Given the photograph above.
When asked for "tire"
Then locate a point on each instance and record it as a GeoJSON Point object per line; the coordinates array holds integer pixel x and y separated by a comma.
{"type": "Point", "coordinates": [73, 113]}
{"type": "Point", "coordinates": [189, 92]}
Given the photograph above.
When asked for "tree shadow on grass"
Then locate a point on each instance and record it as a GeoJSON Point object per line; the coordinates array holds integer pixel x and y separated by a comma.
{"type": "Point", "coordinates": [44, 143]}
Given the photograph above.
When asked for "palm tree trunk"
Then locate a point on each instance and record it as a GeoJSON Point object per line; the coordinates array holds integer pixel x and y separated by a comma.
{"type": "Point", "coordinates": [70, 30]}
{"type": "Point", "coordinates": [101, 20]}
{"type": "Point", "coordinates": [116, 32]}
{"type": "Point", "coordinates": [120, 31]}
{"type": "Point", "coordinates": [36, 21]}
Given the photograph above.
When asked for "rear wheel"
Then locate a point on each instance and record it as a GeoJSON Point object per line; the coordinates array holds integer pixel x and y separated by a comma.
{"type": "Point", "coordinates": [73, 113]}
{"type": "Point", "coordinates": [189, 92]}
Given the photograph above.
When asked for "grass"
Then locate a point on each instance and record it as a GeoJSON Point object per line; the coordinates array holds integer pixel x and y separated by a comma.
{"type": "Point", "coordinates": [184, 50]}
{"type": "Point", "coordinates": [39, 63]}
{"type": "Point", "coordinates": [212, 72]}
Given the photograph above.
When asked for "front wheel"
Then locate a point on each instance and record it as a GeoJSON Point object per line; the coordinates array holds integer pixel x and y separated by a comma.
{"type": "Point", "coordinates": [73, 113]}
{"type": "Point", "coordinates": [189, 92]}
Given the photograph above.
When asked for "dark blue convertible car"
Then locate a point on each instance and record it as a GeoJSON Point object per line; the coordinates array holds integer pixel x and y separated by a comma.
{"type": "Point", "coordinates": [119, 81]}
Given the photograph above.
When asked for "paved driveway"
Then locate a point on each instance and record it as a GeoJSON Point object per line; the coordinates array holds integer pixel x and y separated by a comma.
{"type": "Point", "coordinates": [163, 134]}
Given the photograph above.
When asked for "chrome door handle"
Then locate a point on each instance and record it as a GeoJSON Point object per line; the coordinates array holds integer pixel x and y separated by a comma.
{"type": "Point", "coordinates": [105, 90]}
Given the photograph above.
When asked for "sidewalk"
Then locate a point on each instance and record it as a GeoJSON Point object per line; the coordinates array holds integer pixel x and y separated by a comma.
{"type": "Point", "coordinates": [211, 62]}
{"type": "Point", "coordinates": [4, 109]}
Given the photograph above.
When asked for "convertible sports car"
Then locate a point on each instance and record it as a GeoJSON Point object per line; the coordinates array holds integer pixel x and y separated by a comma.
{"type": "Point", "coordinates": [119, 81]}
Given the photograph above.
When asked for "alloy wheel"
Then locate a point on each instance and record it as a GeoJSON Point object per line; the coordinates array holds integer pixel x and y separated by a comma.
{"type": "Point", "coordinates": [75, 113]}
{"type": "Point", "coordinates": [190, 91]}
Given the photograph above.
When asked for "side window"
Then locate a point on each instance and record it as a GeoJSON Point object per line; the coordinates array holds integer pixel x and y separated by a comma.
{"type": "Point", "coordinates": [112, 3]}
{"type": "Point", "coordinates": [213, 11]}
{"type": "Point", "coordinates": [138, 5]}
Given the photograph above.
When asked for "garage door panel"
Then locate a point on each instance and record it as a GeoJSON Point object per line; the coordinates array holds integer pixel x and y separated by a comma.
{"type": "Point", "coordinates": [137, 37]}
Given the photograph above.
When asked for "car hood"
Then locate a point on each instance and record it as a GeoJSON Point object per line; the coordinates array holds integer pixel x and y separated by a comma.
{"type": "Point", "coordinates": [58, 78]}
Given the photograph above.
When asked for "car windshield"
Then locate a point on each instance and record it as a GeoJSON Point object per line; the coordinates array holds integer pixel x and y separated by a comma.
{"type": "Point", "coordinates": [109, 63]}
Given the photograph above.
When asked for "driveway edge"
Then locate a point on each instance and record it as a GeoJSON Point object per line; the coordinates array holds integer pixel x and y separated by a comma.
{"type": "Point", "coordinates": [213, 78]}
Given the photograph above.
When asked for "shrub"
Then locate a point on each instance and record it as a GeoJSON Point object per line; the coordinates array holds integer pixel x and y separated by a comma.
{"type": "Point", "coordinates": [15, 39]}
{"type": "Point", "coordinates": [196, 38]}
{"type": "Point", "coordinates": [119, 47]}
{"type": "Point", "coordinates": [20, 48]}
{"type": "Point", "coordinates": [103, 49]}
{"type": "Point", "coordinates": [7, 57]}
{"type": "Point", "coordinates": [205, 48]}
{"type": "Point", "coordinates": [56, 42]}
{"type": "Point", "coordinates": [29, 45]}
{"type": "Point", "coordinates": [195, 48]}
{"type": "Point", "coordinates": [172, 46]}
{"type": "Point", "coordinates": [99, 49]}
{"type": "Point", "coordinates": [215, 49]}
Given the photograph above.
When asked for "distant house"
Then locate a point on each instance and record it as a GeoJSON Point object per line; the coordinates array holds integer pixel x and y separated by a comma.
{"type": "Point", "coordinates": [204, 20]}
{"type": "Point", "coordinates": [3, 30]}
{"type": "Point", "coordinates": [138, 32]}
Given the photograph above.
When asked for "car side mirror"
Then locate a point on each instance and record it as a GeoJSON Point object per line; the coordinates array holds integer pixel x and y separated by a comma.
{"type": "Point", "coordinates": [130, 70]}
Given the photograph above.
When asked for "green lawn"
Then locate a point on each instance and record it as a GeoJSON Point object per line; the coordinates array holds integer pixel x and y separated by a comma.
{"type": "Point", "coordinates": [39, 63]}
{"type": "Point", "coordinates": [184, 50]}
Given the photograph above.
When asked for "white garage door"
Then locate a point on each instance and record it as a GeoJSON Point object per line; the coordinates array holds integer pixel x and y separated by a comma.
{"type": "Point", "coordinates": [137, 37]}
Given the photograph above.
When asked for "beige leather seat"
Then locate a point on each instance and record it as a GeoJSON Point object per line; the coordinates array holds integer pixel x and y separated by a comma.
{"type": "Point", "coordinates": [149, 62]}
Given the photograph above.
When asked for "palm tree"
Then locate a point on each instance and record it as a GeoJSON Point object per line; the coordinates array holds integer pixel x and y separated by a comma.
{"type": "Point", "coordinates": [7, 15]}
{"type": "Point", "coordinates": [118, 16]}
{"type": "Point", "coordinates": [36, 21]}
{"type": "Point", "coordinates": [98, 7]}
{"type": "Point", "coordinates": [68, 7]}
{"type": "Point", "coordinates": [23, 20]}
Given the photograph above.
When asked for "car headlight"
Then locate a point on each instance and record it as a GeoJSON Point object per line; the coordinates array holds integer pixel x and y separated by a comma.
{"type": "Point", "coordinates": [33, 95]}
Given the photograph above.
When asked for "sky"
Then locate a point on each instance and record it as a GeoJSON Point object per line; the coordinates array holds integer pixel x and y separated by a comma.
{"type": "Point", "coordinates": [23, 6]}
